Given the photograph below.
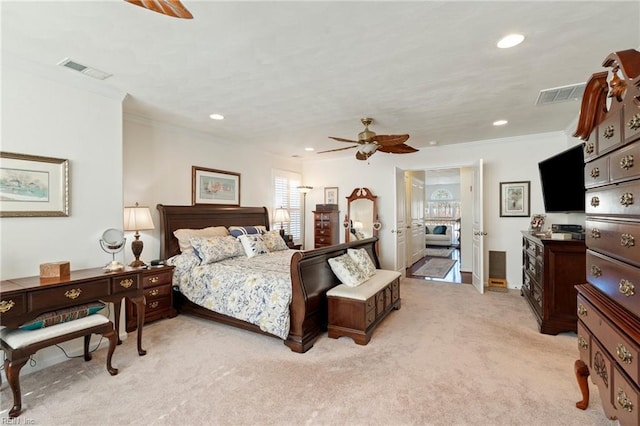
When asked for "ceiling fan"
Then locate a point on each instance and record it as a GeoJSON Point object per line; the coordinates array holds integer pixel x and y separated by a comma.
{"type": "Point", "coordinates": [166, 7]}
{"type": "Point", "coordinates": [368, 143]}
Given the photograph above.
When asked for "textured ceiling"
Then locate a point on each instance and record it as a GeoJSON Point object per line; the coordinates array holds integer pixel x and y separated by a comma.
{"type": "Point", "coordinates": [287, 75]}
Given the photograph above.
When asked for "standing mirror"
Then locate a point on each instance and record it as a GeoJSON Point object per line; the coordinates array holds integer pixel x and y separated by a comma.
{"type": "Point", "coordinates": [361, 220]}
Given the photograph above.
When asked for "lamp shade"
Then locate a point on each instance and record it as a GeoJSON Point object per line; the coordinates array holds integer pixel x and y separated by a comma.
{"type": "Point", "coordinates": [305, 189]}
{"type": "Point", "coordinates": [281, 215]}
{"type": "Point", "coordinates": [137, 218]}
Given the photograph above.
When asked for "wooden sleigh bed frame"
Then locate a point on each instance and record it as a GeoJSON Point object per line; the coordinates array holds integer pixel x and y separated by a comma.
{"type": "Point", "coordinates": [311, 276]}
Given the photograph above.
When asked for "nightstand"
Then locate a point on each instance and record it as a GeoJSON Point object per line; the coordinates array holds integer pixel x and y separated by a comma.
{"type": "Point", "coordinates": [293, 246]}
{"type": "Point", "coordinates": [156, 282]}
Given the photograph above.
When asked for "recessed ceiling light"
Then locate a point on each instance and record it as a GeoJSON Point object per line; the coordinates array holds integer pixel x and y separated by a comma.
{"type": "Point", "coordinates": [433, 143]}
{"type": "Point", "coordinates": [510, 41]}
{"type": "Point", "coordinates": [500, 122]}
{"type": "Point", "coordinates": [309, 149]}
{"type": "Point", "coordinates": [217, 117]}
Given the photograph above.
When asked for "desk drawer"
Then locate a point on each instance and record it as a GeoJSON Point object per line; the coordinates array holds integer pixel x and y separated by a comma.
{"type": "Point", "coordinates": [155, 292]}
{"type": "Point", "coordinates": [157, 304]}
{"type": "Point", "coordinates": [584, 343]}
{"type": "Point", "coordinates": [72, 294]}
{"type": "Point", "coordinates": [152, 280]}
{"type": "Point", "coordinates": [12, 306]}
{"type": "Point", "coordinates": [124, 283]}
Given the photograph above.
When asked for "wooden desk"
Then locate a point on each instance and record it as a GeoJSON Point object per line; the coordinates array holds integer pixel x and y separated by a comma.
{"type": "Point", "coordinates": [23, 299]}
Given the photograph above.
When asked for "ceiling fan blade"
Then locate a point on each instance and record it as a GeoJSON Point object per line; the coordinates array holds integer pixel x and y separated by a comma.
{"type": "Point", "coordinates": [342, 139]}
{"type": "Point", "coordinates": [337, 149]}
{"type": "Point", "coordinates": [166, 7]}
{"type": "Point", "coordinates": [398, 149]}
{"type": "Point", "coordinates": [387, 140]}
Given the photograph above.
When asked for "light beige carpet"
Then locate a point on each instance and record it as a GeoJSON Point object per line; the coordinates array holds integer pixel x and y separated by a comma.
{"type": "Point", "coordinates": [438, 252]}
{"type": "Point", "coordinates": [435, 268]}
{"type": "Point", "coordinates": [449, 356]}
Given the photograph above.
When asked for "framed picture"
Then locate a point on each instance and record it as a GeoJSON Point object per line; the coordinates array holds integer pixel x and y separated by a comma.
{"type": "Point", "coordinates": [537, 222]}
{"type": "Point", "coordinates": [33, 186]}
{"type": "Point", "coordinates": [514, 199]}
{"type": "Point", "coordinates": [331, 195]}
{"type": "Point", "coordinates": [210, 186]}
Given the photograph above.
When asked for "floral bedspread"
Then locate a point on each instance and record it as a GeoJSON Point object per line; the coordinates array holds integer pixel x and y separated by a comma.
{"type": "Point", "coordinates": [256, 290]}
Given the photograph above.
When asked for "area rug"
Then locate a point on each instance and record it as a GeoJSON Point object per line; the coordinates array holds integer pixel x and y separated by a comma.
{"type": "Point", "coordinates": [438, 252]}
{"type": "Point", "coordinates": [435, 268]}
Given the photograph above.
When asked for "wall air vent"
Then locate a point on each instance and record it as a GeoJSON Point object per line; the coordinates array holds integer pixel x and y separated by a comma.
{"type": "Point", "coordinates": [572, 92]}
{"type": "Point", "coordinates": [91, 72]}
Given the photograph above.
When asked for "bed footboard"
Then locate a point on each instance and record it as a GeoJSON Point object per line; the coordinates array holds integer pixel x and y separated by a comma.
{"type": "Point", "coordinates": [311, 278]}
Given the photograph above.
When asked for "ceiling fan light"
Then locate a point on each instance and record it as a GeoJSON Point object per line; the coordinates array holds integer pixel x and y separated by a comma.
{"type": "Point", "coordinates": [368, 148]}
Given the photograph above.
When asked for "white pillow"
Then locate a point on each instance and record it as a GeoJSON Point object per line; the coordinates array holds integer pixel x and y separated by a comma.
{"type": "Point", "coordinates": [214, 249]}
{"type": "Point", "coordinates": [347, 271]}
{"type": "Point", "coordinates": [253, 245]}
{"type": "Point", "coordinates": [363, 261]}
{"type": "Point", "coordinates": [274, 241]}
{"type": "Point", "coordinates": [183, 235]}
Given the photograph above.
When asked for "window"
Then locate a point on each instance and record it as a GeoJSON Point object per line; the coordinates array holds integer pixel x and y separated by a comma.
{"type": "Point", "coordinates": [287, 196]}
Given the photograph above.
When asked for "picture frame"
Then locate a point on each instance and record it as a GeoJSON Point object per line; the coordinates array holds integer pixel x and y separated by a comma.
{"type": "Point", "coordinates": [331, 195]}
{"type": "Point", "coordinates": [514, 199]}
{"type": "Point", "coordinates": [212, 186]}
{"type": "Point", "coordinates": [33, 186]}
{"type": "Point", "coordinates": [537, 222]}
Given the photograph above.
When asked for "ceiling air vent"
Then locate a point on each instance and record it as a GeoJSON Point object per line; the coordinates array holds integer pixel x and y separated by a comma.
{"type": "Point", "coordinates": [572, 92]}
{"type": "Point", "coordinates": [91, 72]}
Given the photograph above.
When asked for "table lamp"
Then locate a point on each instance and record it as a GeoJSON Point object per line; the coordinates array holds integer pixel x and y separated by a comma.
{"type": "Point", "coordinates": [137, 219]}
{"type": "Point", "coordinates": [281, 215]}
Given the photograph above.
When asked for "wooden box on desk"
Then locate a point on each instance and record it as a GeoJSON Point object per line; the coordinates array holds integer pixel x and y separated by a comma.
{"type": "Point", "coordinates": [55, 269]}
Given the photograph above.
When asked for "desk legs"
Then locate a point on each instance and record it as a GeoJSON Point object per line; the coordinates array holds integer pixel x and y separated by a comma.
{"type": "Point", "coordinates": [140, 303]}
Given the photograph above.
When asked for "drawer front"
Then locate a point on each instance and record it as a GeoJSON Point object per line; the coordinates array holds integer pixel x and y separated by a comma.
{"type": "Point", "coordinates": [619, 199]}
{"type": "Point", "coordinates": [13, 306]}
{"type": "Point", "coordinates": [601, 370]}
{"type": "Point", "coordinates": [631, 123]}
{"type": "Point", "coordinates": [596, 173]}
{"type": "Point", "coordinates": [370, 317]}
{"type": "Point", "coordinates": [617, 280]}
{"type": "Point", "coordinates": [535, 250]}
{"type": "Point", "coordinates": [157, 304]}
{"type": "Point", "coordinates": [536, 298]}
{"type": "Point", "coordinates": [380, 302]}
{"type": "Point", "coordinates": [610, 133]}
{"type": "Point", "coordinates": [322, 232]}
{"type": "Point", "coordinates": [619, 239]}
{"type": "Point", "coordinates": [322, 241]}
{"type": "Point", "coordinates": [625, 163]}
{"type": "Point", "coordinates": [533, 268]}
{"type": "Point", "coordinates": [395, 290]}
{"type": "Point", "coordinates": [584, 343]}
{"type": "Point", "coordinates": [370, 303]}
{"type": "Point", "coordinates": [591, 146]}
{"type": "Point", "coordinates": [125, 283]}
{"type": "Point", "coordinates": [625, 399]}
{"type": "Point", "coordinates": [623, 350]}
{"type": "Point", "coordinates": [158, 291]}
{"type": "Point", "coordinates": [68, 294]}
{"type": "Point", "coordinates": [164, 277]}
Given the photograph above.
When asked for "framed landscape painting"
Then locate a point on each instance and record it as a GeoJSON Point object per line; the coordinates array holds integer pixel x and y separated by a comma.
{"type": "Point", "coordinates": [514, 199]}
{"type": "Point", "coordinates": [32, 185]}
{"type": "Point", "coordinates": [211, 186]}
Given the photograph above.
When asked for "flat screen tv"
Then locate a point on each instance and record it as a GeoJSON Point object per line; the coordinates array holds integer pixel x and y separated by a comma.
{"type": "Point", "coordinates": [562, 181]}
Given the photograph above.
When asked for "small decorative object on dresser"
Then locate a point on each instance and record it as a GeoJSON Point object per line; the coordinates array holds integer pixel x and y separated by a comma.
{"type": "Point", "coordinates": [157, 283]}
{"type": "Point", "coordinates": [608, 305]}
{"type": "Point", "coordinates": [55, 269]}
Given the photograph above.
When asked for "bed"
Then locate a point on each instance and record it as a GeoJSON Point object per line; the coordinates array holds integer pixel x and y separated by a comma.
{"type": "Point", "coordinates": [310, 275]}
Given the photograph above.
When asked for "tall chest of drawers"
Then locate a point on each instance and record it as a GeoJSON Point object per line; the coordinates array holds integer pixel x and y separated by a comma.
{"type": "Point", "coordinates": [326, 230]}
{"type": "Point", "coordinates": [608, 305]}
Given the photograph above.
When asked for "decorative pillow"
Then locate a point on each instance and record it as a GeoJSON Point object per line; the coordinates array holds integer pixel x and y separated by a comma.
{"type": "Point", "coordinates": [214, 249]}
{"type": "Point", "coordinates": [274, 241]}
{"type": "Point", "coordinates": [253, 245]}
{"type": "Point", "coordinates": [236, 231]}
{"type": "Point", "coordinates": [440, 230]}
{"type": "Point", "coordinates": [183, 235]}
{"type": "Point", "coordinates": [346, 270]}
{"type": "Point", "coordinates": [63, 315]}
{"type": "Point", "coordinates": [362, 261]}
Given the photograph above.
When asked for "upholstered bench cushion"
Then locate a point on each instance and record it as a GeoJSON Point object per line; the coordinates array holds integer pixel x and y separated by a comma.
{"type": "Point", "coordinates": [17, 338]}
{"type": "Point", "coordinates": [367, 289]}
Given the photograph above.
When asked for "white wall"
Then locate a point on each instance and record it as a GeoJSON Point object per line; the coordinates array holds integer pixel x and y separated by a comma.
{"type": "Point", "coordinates": [512, 159]}
{"type": "Point", "coordinates": [157, 170]}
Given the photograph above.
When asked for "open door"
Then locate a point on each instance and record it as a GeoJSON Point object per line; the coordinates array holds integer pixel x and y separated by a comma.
{"type": "Point", "coordinates": [478, 228]}
{"type": "Point", "coordinates": [400, 224]}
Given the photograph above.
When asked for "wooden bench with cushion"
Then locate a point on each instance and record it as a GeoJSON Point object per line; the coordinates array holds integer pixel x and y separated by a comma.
{"type": "Point", "coordinates": [19, 345]}
{"type": "Point", "coordinates": [356, 311]}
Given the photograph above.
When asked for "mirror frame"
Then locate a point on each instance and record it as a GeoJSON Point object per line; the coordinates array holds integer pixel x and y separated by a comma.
{"type": "Point", "coordinates": [360, 194]}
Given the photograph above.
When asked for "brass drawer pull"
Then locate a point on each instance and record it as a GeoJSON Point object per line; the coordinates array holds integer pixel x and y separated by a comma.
{"type": "Point", "coordinates": [154, 280]}
{"type": "Point", "coordinates": [595, 233]}
{"type": "Point", "coordinates": [74, 293]}
{"type": "Point", "coordinates": [626, 287]}
{"type": "Point", "coordinates": [596, 271]}
{"type": "Point", "coordinates": [589, 148]}
{"type": "Point", "coordinates": [626, 162]}
{"type": "Point", "coordinates": [609, 132]}
{"type": "Point", "coordinates": [6, 305]}
{"type": "Point", "coordinates": [595, 201]}
{"type": "Point", "coordinates": [154, 292]}
{"type": "Point", "coordinates": [582, 343]}
{"type": "Point", "coordinates": [627, 240]}
{"type": "Point", "coordinates": [595, 172]}
{"type": "Point", "coordinates": [623, 401]}
{"type": "Point", "coordinates": [154, 304]}
{"type": "Point", "coordinates": [582, 311]}
{"type": "Point", "coordinates": [634, 122]}
{"type": "Point", "coordinates": [623, 354]}
{"type": "Point", "coordinates": [126, 283]}
{"type": "Point", "coordinates": [626, 199]}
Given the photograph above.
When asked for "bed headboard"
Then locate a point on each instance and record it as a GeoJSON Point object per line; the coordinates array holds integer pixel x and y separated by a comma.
{"type": "Point", "coordinates": [203, 216]}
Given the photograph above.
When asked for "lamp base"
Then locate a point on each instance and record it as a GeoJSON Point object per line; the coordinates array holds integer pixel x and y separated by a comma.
{"type": "Point", "coordinates": [136, 248]}
{"type": "Point", "coordinates": [137, 263]}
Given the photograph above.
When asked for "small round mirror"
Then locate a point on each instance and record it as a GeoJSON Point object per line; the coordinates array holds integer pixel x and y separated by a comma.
{"type": "Point", "coordinates": [113, 241]}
